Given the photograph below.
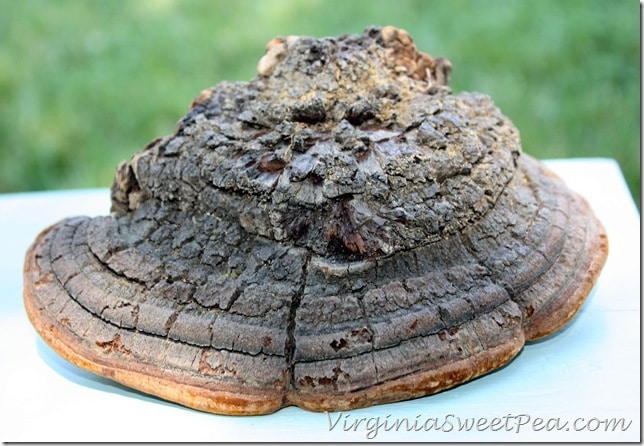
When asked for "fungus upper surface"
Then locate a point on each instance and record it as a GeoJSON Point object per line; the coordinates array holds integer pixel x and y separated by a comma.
{"type": "Point", "coordinates": [339, 232]}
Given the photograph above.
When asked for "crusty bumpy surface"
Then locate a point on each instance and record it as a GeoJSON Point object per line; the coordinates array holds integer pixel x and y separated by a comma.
{"type": "Point", "coordinates": [339, 232]}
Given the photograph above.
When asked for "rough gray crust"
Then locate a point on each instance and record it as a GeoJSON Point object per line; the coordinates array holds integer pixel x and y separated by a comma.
{"type": "Point", "coordinates": [339, 232]}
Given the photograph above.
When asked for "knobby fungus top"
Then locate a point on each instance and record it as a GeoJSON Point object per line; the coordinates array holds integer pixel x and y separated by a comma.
{"type": "Point", "coordinates": [339, 232]}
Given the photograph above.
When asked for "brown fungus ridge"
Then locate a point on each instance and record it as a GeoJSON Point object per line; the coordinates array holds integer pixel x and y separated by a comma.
{"type": "Point", "coordinates": [339, 232]}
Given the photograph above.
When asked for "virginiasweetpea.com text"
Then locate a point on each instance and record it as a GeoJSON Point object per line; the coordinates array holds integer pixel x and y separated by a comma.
{"type": "Point", "coordinates": [372, 426]}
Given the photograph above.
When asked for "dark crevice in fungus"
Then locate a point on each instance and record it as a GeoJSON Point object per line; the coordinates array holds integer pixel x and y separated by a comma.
{"type": "Point", "coordinates": [290, 333]}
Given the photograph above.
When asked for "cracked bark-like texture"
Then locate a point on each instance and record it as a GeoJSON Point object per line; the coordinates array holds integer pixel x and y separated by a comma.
{"type": "Point", "coordinates": [339, 232]}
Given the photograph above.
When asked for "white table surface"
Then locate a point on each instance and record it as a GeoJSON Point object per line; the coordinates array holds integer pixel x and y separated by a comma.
{"type": "Point", "coordinates": [574, 381]}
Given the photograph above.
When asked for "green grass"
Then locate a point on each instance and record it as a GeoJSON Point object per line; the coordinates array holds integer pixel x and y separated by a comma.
{"type": "Point", "coordinates": [85, 84]}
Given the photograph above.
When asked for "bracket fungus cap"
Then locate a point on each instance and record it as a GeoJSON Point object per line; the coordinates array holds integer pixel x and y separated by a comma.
{"type": "Point", "coordinates": [339, 232]}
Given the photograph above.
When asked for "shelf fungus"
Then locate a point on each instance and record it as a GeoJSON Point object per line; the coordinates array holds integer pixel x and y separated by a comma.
{"type": "Point", "coordinates": [339, 232]}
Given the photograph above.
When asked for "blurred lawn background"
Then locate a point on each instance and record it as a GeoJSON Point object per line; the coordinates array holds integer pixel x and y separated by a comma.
{"type": "Point", "coordinates": [86, 84]}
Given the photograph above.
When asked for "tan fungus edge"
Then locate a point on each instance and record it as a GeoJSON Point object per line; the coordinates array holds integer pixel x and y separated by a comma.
{"type": "Point", "coordinates": [558, 313]}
